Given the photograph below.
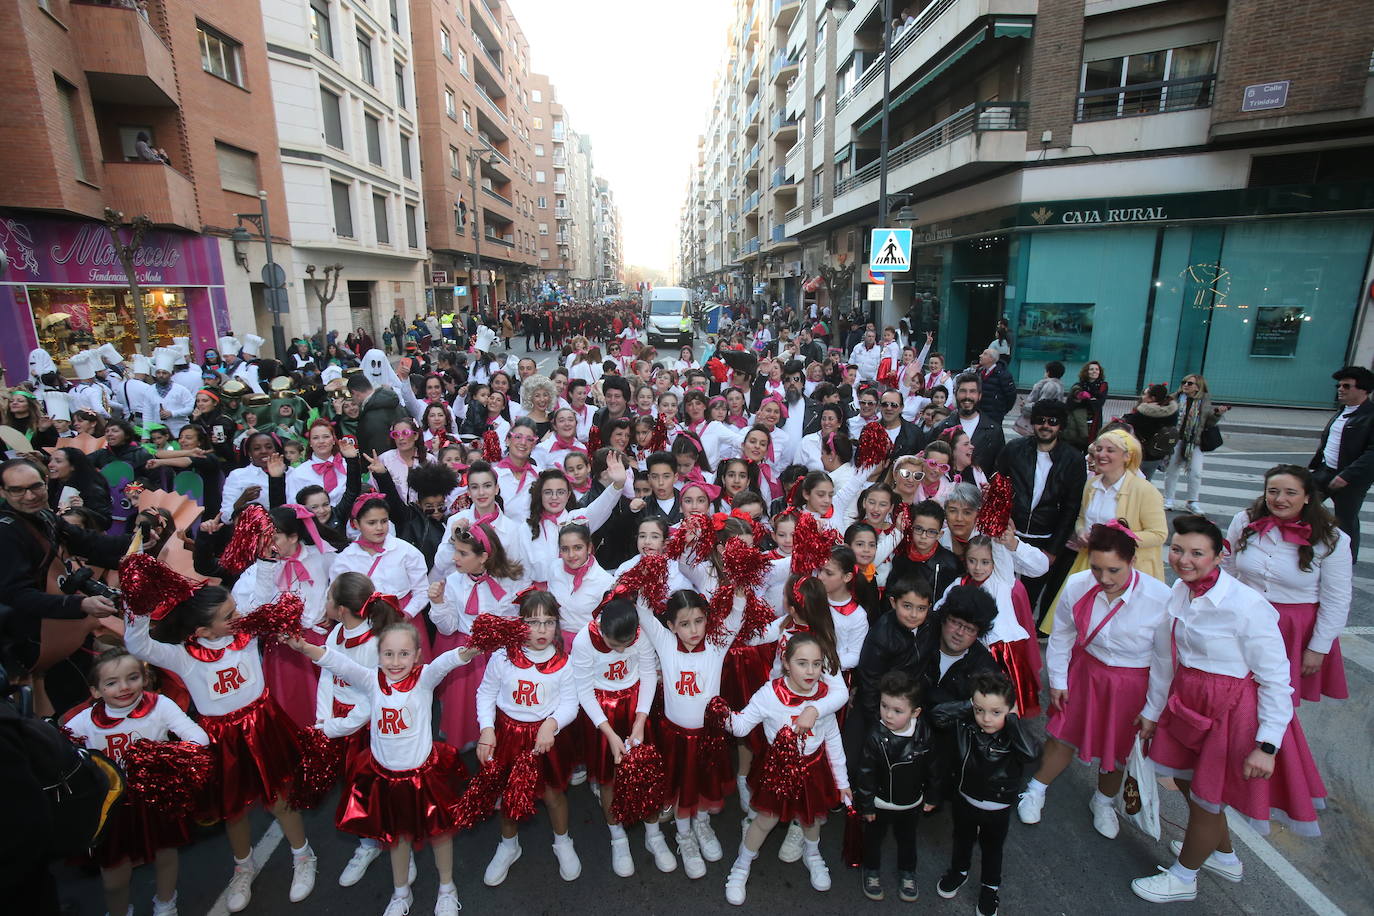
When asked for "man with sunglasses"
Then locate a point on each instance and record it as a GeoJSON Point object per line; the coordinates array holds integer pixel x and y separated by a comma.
{"type": "Point", "coordinates": [1047, 477]}
{"type": "Point", "coordinates": [964, 614]}
{"type": "Point", "coordinates": [1343, 465]}
{"type": "Point", "coordinates": [906, 438]}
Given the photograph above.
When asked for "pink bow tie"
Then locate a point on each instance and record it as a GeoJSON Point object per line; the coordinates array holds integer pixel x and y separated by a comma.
{"type": "Point", "coordinates": [474, 602]}
{"type": "Point", "coordinates": [1294, 532]}
{"type": "Point", "coordinates": [329, 471]}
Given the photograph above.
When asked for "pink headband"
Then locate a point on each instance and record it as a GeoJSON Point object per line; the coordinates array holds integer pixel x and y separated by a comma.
{"type": "Point", "coordinates": [308, 517]}
{"type": "Point", "coordinates": [480, 537]}
{"type": "Point", "coordinates": [363, 499]}
{"type": "Point", "coordinates": [782, 407]}
{"type": "Point", "coordinates": [1116, 524]}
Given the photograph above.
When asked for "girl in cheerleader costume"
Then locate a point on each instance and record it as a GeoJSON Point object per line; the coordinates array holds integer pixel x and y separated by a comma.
{"type": "Point", "coordinates": [485, 581]}
{"type": "Point", "coordinates": [735, 476]}
{"type": "Point", "coordinates": [403, 788]}
{"type": "Point", "coordinates": [615, 672]}
{"type": "Point", "coordinates": [757, 449]}
{"type": "Point", "coordinates": [780, 558]}
{"type": "Point", "coordinates": [578, 467]}
{"type": "Point", "coordinates": [815, 495]}
{"type": "Point", "coordinates": [650, 536]}
{"type": "Point", "coordinates": [301, 558]}
{"type": "Point", "coordinates": [121, 712]}
{"type": "Point", "coordinates": [870, 552]}
{"type": "Point", "coordinates": [256, 745]}
{"type": "Point", "coordinates": [552, 506]}
{"type": "Point", "coordinates": [697, 498]}
{"type": "Point", "coordinates": [525, 704]}
{"type": "Point", "coordinates": [486, 509]}
{"type": "Point", "coordinates": [850, 617]}
{"type": "Point", "coordinates": [517, 471]}
{"type": "Point", "coordinates": [577, 581]}
{"type": "Point", "coordinates": [789, 701]}
{"type": "Point", "coordinates": [394, 566]}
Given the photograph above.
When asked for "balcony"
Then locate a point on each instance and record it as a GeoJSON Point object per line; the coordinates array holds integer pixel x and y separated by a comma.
{"type": "Point", "coordinates": [790, 215]}
{"type": "Point", "coordinates": [780, 178]}
{"type": "Point", "coordinates": [778, 234]}
{"type": "Point", "coordinates": [782, 68]}
{"type": "Point", "coordinates": [783, 125]}
{"type": "Point", "coordinates": [493, 16]}
{"type": "Point", "coordinates": [160, 191]}
{"type": "Point", "coordinates": [124, 58]}
{"type": "Point", "coordinates": [750, 203]}
{"type": "Point", "coordinates": [784, 11]}
{"type": "Point", "coordinates": [1159, 97]}
{"type": "Point", "coordinates": [501, 197]}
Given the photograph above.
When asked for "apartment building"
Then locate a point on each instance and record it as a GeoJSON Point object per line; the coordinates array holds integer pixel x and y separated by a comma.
{"type": "Point", "coordinates": [342, 77]}
{"type": "Point", "coordinates": [162, 110]}
{"type": "Point", "coordinates": [1167, 186]}
{"type": "Point", "coordinates": [606, 237]}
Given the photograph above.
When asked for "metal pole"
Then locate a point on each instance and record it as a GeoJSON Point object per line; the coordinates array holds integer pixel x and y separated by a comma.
{"type": "Point", "coordinates": [476, 238]}
{"type": "Point", "coordinates": [278, 335]}
{"type": "Point", "coordinates": [885, 317]}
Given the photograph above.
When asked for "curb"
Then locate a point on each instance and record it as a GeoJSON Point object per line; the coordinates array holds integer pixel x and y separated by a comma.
{"type": "Point", "coordinates": [1300, 432]}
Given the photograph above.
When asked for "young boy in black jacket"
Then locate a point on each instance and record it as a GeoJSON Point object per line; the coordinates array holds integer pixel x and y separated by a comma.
{"type": "Point", "coordinates": [987, 757]}
{"type": "Point", "coordinates": [900, 640]}
{"type": "Point", "coordinates": [889, 787]}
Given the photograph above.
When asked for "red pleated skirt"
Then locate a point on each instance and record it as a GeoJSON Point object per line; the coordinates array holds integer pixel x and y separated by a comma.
{"type": "Point", "coordinates": [818, 794]}
{"type": "Point", "coordinates": [391, 805]}
{"type": "Point", "coordinates": [745, 670]}
{"type": "Point", "coordinates": [1098, 718]}
{"type": "Point", "coordinates": [1296, 623]}
{"type": "Point", "coordinates": [457, 694]}
{"type": "Point", "coordinates": [136, 832]}
{"type": "Point", "coordinates": [619, 707]}
{"type": "Point", "coordinates": [1015, 659]}
{"type": "Point", "coordinates": [293, 679]}
{"type": "Point", "coordinates": [697, 780]}
{"type": "Point", "coordinates": [515, 738]}
{"type": "Point", "coordinates": [257, 749]}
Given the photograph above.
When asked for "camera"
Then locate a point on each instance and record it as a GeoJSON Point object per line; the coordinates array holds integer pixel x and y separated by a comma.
{"type": "Point", "coordinates": [83, 580]}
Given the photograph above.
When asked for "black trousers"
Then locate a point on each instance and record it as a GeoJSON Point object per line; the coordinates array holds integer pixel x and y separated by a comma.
{"type": "Point", "coordinates": [989, 829]}
{"type": "Point", "coordinates": [903, 824]}
{"type": "Point", "coordinates": [1042, 590]}
{"type": "Point", "coordinates": [1346, 503]}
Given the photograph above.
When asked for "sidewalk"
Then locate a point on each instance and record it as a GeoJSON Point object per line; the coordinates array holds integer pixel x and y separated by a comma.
{"type": "Point", "coordinates": [1303, 422]}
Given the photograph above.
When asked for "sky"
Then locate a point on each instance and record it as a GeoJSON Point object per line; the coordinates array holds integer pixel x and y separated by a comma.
{"type": "Point", "coordinates": [636, 76]}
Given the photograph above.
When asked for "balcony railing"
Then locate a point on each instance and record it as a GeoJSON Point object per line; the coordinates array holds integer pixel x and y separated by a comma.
{"type": "Point", "coordinates": [792, 214]}
{"type": "Point", "coordinates": [779, 178]}
{"type": "Point", "coordinates": [780, 121]}
{"type": "Point", "coordinates": [494, 107]}
{"type": "Point", "coordinates": [780, 62]}
{"type": "Point", "coordinates": [905, 40]}
{"type": "Point", "coordinates": [971, 119]}
{"type": "Point", "coordinates": [751, 246]}
{"type": "Point", "coordinates": [501, 197]}
{"type": "Point", "coordinates": [780, 5]}
{"type": "Point", "coordinates": [1158, 97]}
{"type": "Point", "coordinates": [778, 234]}
{"type": "Point", "coordinates": [751, 111]}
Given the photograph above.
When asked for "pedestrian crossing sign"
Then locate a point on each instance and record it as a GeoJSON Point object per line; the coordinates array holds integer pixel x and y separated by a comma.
{"type": "Point", "coordinates": [890, 250]}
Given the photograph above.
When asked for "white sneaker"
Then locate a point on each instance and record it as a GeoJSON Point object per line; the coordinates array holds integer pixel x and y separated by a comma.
{"type": "Point", "coordinates": [1231, 872]}
{"type": "Point", "coordinates": [658, 848]}
{"type": "Point", "coordinates": [302, 877]}
{"type": "Point", "coordinates": [1168, 505]}
{"type": "Point", "coordinates": [447, 904]}
{"type": "Point", "coordinates": [240, 888]}
{"type": "Point", "coordinates": [1164, 888]}
{"type": "Point", "coordinates": [706, 839]}
{"type": "Point", "coordinates": [499, 866]}
{"type": "Point", "coordinates": [820, 873]}
{"type": "Point", "coordinates": [734, 884]}
{"type": "Point", "coordinates": [1104, 819]}
{"type": "Point", "coordinates": [569, 865]}
{"type": "Point", "coordinates": [165, 909]}
{"type": "Point", "coordinates": [579, 776]}
{"type": "Point", "coordinates": [692, 862]}
{"type": "Point", "coordinates": [1029, 807]}
{"type": "Point", "coordinates": [622, 863]}
{"type": "Point", "coordinates": [791, 849]}
{"type": "Point", "coordinates": [1195, 507]}
{"type": "Point", "coordinates": [399, 906]}
{"type": "Point", "coordinates": [357, 865]}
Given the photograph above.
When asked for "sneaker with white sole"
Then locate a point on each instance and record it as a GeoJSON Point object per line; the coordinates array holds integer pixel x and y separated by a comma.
{"type": "Point", "coordinates": [1104, 819]}
{"type": "Point", "coordinates": [165, 909]}
{"type": "Point", "coordinates": [950, 882]}
{"type": "Point", "coordinates": [357, 865]}
{"type": "Point", "coordinates": [791, 849]}
{"type": "Point", "coordinates": [1195, 507]}
{"type": "Point", "coordinates": [499, 866]}
{"type": "Point", "coordinates": [1232, 872]}
{"type": "Point", "coordinates": [622, 863]}
{"type": "Point", "coordinates": [706, 839]}
{"type": "Point", "coordinates": [735, 882]}
{"type": "Point", "coordinates": [692, 863]}
{"type": "Point", "coordinates": [447, 904]}
{"type": "Point", "coordinates": [1163, 887]}
{"type": "Point", "coordinates": [399, 906]}
{"type": "Point", "coordinates": [819, 871]}
{"type": "Point", "coordinates": [988, 901]}
{"type": "Point", "coordinates": [579, 776]}
{"type": "Point", "coordinates": [569, 865]}
{"type": "Point", "coordinates": [1168, 505]}
{"type": "Point", "coordinates": [240, 888]}
{"type": "Point", "coordinates": [302, 876]}
{"type": "Point", "coordinates": [1029, 807]}
{"type": "Point", "coordinates": [664, 859]}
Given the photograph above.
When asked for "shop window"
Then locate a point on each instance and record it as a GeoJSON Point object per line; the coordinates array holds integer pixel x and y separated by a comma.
{"type": "Point", "coordinates": [343, 209]}
{"type": "Point", "coordinates": [412, 227]}
{"type": "Point", "coordinates": [373, 130]}
{"type": "Point", "coordinates": [238, 169]}
{"type": "Point", "coordinates": [70, 319]}
{"type": "Point", "coordinates": [331, 110]}
{"type": "Point", "coordinates": [380, 220]}
{"type": "Point", "coordinates": [320, 31]}
{"type": "Point", "coordinates": [1148, 82]}
{"type": "Point", "coordinates": [220, 54]}
{"type": "Point", "coordinates": [67, 101]}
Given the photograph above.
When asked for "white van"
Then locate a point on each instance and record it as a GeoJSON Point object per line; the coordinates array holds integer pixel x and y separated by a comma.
{"type": "Point", "coordinates": [668, 316]}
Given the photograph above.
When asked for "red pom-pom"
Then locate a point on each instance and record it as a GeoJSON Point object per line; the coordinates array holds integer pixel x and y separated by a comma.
{"type": "Point", "coordinates": [695, 534]}
{"type": "Point", "coordinates": [758, 614]}
{"type": "Point", "coordinates": [278, 618]}
{"type": "Point", "coordinates": [168, 776]}
{"type": "Point", "coordinates": [151, 587]}
{"type": "Point", "coordinates": [251, 540]}
{"type": "Point", "coordinates": [491, 632]}
{"type": "Point", "coordinates": [594, 440]}
{"type": "Point", "coordinates": [874, 446]}
{"type": "Point", "coordinates": [853, 852]}
{"type": "Point", "coordinates": [780, 771]}
{"type": "Point", "coordinates": [491, 447]}
{"type": "Point", "coordinates": [717, 727]}
{"type": "Point", "coordinates": [647, 579]}
{"type": "Point", "coordinates": [640, 785]}
{"type": "Point", "coordinates": [322, 760]}
{"type": "Point", "coordinates": [995, 515]}
{"type": "Point", "coordinates": [479, 798]}
{"type": "Point", "coordinates": [517, 801]}
{"type": "Point", "coordinates": [811, 545]}
{"type": "Point", "coordinates": [745, 566]}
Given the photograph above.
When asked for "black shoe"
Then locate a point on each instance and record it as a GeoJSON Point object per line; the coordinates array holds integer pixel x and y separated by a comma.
{"type": "Point", "coordinates": [987, 901]}
{"type": "Point", "coordinates": [873, 885]}
{"type": "Point", "coordinates": [950, 882]}
{"type": "Point", "coordinates": [906, 886]}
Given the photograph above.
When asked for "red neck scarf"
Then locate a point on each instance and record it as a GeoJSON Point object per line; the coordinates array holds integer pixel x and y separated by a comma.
{"type": "Point", "coordinates": [1292, 531]}
{"type": "Point", "coordinates": [474, 600]}
{"type": "Point", "coordinates": [520, 471]}
{"type": "Point", "coordinates": [404, 685]}
{"type": "Point", "coordinates": [374, 549]}
{"type": "Point", "coordinates": [789, 697]}
{"type": "Point", "coordinates": [101, 717]}
{"type": "Point", "coordinates": [351, 642]}
{"type": "Point", "coordinates": [554, 663]}
{"type": "Point", "coordinates": [584, 487]}
{"type": "Point", "coordinates": [329, 470]}
{"type": "Point", "coordinates": [846, 609]}
{"type": "Point", "coordinates": [579, 574]}
{"type": "Point", "coordinates": [599, 642]}
{"type": "Point", "coordinates": [1203, 585]}
{"type": "Point", "coordinates": [682, 647]}
{"type": "Point", "coordinates": [479, 519]}
{"type": "Point", "coordinates": [206, 654]}
{"type": "Point", "coordinates": [1083, 612]}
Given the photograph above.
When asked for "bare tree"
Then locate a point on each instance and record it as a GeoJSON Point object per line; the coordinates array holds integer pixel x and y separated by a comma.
{"type": "Point", "coordinates": [324, 290]}
{"type": "Point", "coordinates": [114, 224]}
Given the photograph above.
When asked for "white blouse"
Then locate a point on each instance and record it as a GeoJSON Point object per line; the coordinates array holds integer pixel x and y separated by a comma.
{"type": "Point", "coordinates": [1128, 639]}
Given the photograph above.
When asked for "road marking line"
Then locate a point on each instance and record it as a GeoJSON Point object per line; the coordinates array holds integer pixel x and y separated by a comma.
{"type": "Point", "coordinates": [1358, 631]}
{"type": "Point", "coordinates": [1297, 882]}
{"type": "Point", "coordinates": [261, 853]}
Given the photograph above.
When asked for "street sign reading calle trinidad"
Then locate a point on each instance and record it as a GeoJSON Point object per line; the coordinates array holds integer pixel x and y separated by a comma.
{"type": "Point", "coordinates": [889, 250]}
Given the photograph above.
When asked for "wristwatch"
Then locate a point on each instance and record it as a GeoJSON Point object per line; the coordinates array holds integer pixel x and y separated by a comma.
{"type": "Point", "coordinates": [1268, 748]}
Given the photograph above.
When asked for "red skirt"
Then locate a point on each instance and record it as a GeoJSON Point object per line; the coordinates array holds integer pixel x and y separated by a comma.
{"type": "Point", "coordinates": [293, 679]}
{"type": "Point", "coordinates": [818, 794]}
{"type": "Point", "coordinates": [1296, 623]}
{"type": "Point", "coordinates": [745, 670]}
{"type": "Point", "coordinates": [699, 781]}
{"type": "Point", "coordinates": [1098, 718]}
{"type": "Point", "coordinates": [1015, 659]}
{"type": "Point", "coordinates": [457, 694]}
{"type": "Point", "coordinates": [136, 832]}
{"type": "Point", "coordinates": [257, 750]}
{"type": "Point", "coordinates": [392, 805]}
{"type": "Point", "coordinates": [514, 738]}
{"type": "Point", "coordinates": [619, 707]}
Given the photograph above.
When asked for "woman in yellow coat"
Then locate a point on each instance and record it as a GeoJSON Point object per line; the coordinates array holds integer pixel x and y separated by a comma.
{"type": "Point", "coordinates": [1116, 491]}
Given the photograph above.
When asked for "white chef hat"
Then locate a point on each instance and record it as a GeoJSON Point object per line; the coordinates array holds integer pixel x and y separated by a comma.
{"type": "Point", "coordinates": [109, 354]}
{"type": "Point", "coordinates": [252, 344]}
{"type": "Point", "coordinates": [142, 365]}
{"type": "Point", "coordinates": [183, 347]}
{"type": "Point", "coordinates": [229, 346]}
{"type": "Point", "coordinates": [82, 366]}
{"type": "Point", "coordinates": [58, 405]}
{"type": "Point", "coordinates": [164, 359]}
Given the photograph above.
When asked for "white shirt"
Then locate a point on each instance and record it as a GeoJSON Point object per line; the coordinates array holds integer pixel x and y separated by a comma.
{"type": "Point", "coordinates": [768, 709]}
{"type": "Point", "coordinates": [359, 644]}
{"type": "Point", "coordinates": [575, 605]}
{"type": "Point", "coordinates": [177, 401]}
{"type": "Point", "coordinates": [541, 550]}
{"type": "Point", "coordinates": [1043, 464]}
{"type": "Point", "coordinates": [865, 359]}
{"type": "Point", "coordinates": [227, 679]}
{"type": "Point", "coordinates": [1231, 630]}
{"type": "Point", "coordinates": [969, 424]}
{"type": "Point", "coordinates": [514, 535]}
{"type": "Point", "coordinates": [527, 694]}
{"type": "Point", "coordinates": [150, 716]}
{"type": "Point", "coordinates": [240, 479]}
{"type": "Point", "coordinates": [1102, 507]}
{"type": "Point", "coordinates": [304, 475]}
{"type": "Point", "coordinates": [398, 570]}
{"type": "Point", "coordinates": [858, 422]}
{"type": "Point", "coordinates": [514, 494]}
{"type": "Point", "coordinates": [258, 584]}
{"type": "Point", "coordinates": [1332, 454]}
{"type": "Point", "coordinates": [1269, 565]}
{"type": "Point", "coordinates": [690, 679]}
{"type": "Point", "coordinates": [400, 471]}
{"type": "Point", "coordinates": [611, 671]}
{"type": "Point", "coordinates": [851, 629]}
{"type": "Point", "coordinates": [676, 580]}
{"type": "Point", "coordinates": [1128, 639]}
{"type": "Point", "coordinates": [451, 615]}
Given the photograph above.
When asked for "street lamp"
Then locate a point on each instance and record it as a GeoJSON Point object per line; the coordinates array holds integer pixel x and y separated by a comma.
{"type": "Point", "coordinates": [475, 154]}
{"type": "Point", "coordinates": [273, 277]}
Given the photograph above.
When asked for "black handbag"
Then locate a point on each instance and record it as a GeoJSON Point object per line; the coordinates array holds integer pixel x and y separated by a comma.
{"type": "Point", "coordinates": [1210, 440]}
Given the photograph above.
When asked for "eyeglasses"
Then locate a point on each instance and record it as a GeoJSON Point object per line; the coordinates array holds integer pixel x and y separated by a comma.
{"type": "Point", "coordinates": [522, 440]}
{"type": "Point", "coordinates": [402, 433]}
{"type": "Point", "coordinates": [556, 494]}
{"type": "Point", "coordinates": [909, 474]}
{"type": "Point", "coordinates": [541, 623]}
{"type": "Point", "coordinates": [1345, 385]}
{"type": "Point", "coordinates": [892, 404]}
{"type": "Point", "coordinates": [1047, 421]}
{"type": "Point", "coordinates": [32, 490]}
{"type": "Point", "coordinates": [928, 532]}
{"type": "Point", "coordinates": [960, 626]}
{"type": "Point", "coordinates": [1190, 382]}
{"type": "Point", "coordinates": [937, 466]}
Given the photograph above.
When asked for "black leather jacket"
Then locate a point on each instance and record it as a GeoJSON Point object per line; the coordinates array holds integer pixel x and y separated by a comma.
{"type": "Point", "coordinates": [941, 570]}
{"type": "Point", "coordinates": [992, 768]}
{"type": "Point", "coordinates": [1057, 512]}
{"type": "Point", "coordinates": [957, 682]}
{"type": "Point", "coordinates": [889, 646]}
{"type": "Point", "coordinates": [893, 767]}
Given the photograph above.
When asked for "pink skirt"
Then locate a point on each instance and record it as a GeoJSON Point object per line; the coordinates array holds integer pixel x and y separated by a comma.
{"type": "Point", "coordinates": [1296, 789]}
{"type": "Point", "coordinates": [818, 794]}
{"type": "Point", "coordinates": [1016, 659]}
{"type": "Point", "coordinates": [1098, 718]}
{"type": "Point", "coordinates": [457, 694]}
{"type": "Point", "coordinates": [293, 679]}
{"type": "Point", "coordinates": [1296, 623]}
{"type": "Point", "coordinates": [696, 780]}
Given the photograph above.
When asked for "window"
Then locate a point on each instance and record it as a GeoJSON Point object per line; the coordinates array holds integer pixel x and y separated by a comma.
{"type": "Point", "coordinates": [219, 54]}
{"type": "Point", "coordinates": [537, 123]}
{"type": "Point", "coordinates": [343, 209]}
{"type": "Point", "coordinates": [540, 176]}
{"type": "Point", "coordinates": [543, 228]}
{"type": "Point", "coordinates": [238, 169]}
{"type": "Point", "coordinates": [539, 149]}
{"type": "Point", "coordinates": [412, 227]}
{"type": "Point", "coordinates": [544, 253]}
{"type": "Point", "coordinates": [320, 31]}
{"type": "Point", "coordinates": [1149, 82]}
{"type": "Point", "coordinates": [445, 42]}
{"type": "Point", "coordinates": [819, 108]}
{"type": "Point", "coordinates": [400, 85]}
{"type": "Point", "coordinates": [396, 16]}
{"type": "Point", "coordinates": [817, 183]}
{"type": "Point", "coordinates": [536, 95]}
{"type": "Point", "coordinates": [543, 203]}
{"type": "Point", "coordinates": [379, 219]}
{"type": "Point", "coordinates": [467, 117]}
{"type": "Point", "coordinates": [373, 128]}
{"type": "Point", "coordinates": [365, 58]}
{"type": "Point", "coordinates": [66, 94]}
{"type": "Point", "coordinates": [454, 162]}
{"type": "Point", "coordinates": [333, 119]}
{"type": "Point", "coordinates": [406, 169]}
{"type": "Point", "coordinates": [450, 104]}
{"type": "Point", "coordinates": [462, 62]}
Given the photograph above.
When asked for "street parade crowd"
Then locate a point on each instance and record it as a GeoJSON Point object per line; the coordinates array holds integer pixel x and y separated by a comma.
{"type": "Point", "coordinates": [806, 570]}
